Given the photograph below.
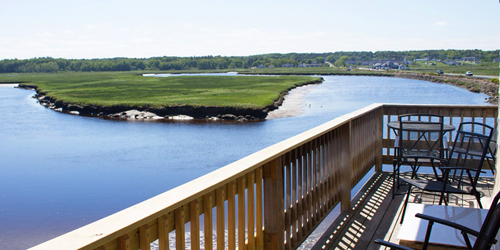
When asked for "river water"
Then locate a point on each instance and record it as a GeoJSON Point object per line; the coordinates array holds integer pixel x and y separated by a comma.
{"type": "Point", "coordinates": [60, 171]}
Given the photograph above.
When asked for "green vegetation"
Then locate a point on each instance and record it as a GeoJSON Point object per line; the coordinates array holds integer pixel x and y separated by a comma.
{"type": "Point", "coordinates": [236, 63]}
{"type": "Point", "coordinates": [121, 88]}
{"type": "Point", "coordinates": [481, 69]}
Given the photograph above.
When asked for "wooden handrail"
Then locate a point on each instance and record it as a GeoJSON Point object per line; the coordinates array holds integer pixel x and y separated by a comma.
{"type": "Point", "coordinates": [272, 199]}
{"type": "Point", "coordinates": [453, 114]}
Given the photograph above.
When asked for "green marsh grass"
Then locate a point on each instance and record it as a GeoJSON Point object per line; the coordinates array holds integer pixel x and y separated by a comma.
{"type": "Point", "coordinates": [132, 89]}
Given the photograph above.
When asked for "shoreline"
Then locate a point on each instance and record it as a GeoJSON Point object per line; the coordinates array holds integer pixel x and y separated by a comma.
{"type": "Point", "coordinates": [293, 103]}
{"type": "Point", "coordinates": [289, 104]}
{"type": "Point", "coordinates": [472, 84]}
{"type": "Point", "coordinates": [173, 113]}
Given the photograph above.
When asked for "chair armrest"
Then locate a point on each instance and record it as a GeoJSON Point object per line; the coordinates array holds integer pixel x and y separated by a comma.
{"type": "Point", "coordinates": [448, 223]}
{"type": "Point", "coordinates": [461, 168]}
{"type": "Point", "coordinates": [392, 245]}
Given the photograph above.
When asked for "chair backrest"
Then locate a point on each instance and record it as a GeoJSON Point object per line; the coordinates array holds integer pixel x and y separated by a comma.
{"type": "Point", "coordinates": [421, 133]}
{"type": "Point", "coordinates": [470, 147]}
{"type": "Point", "coordinates": [490, 226]}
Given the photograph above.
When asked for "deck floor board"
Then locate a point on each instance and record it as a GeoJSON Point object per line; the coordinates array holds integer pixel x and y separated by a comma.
{"type": "Point", "coordinates": [375, 215]}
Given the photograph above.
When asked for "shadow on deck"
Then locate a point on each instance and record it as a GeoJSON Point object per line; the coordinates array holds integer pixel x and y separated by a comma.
{"type": "Point", "coordinates": [375, 215]}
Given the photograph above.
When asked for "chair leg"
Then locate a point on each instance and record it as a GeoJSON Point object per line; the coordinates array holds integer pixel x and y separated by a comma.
{"type": "Point", "coordinates": [477, 195]}
{"type": "Point", "coordinates": [490, 165]}
{"type": "Point", "coordinates": [434, 169]}
{"type": "Point", "coordinates": [428, 234]}
{"type": "Point", "coordinates": [393, 179]}
{"type": "Point", "coordinates": [445, 182]}
{"type": "Point", "coordinates": [414, 169]}
{"type": "Point", "coordinates": [406, 203]}
{"type": "Point", "coordinates": [478, 199]}
{"type": "Point", "coordinates": [474, 190]}
{"type": "Point", "coordinates": [398, 171]}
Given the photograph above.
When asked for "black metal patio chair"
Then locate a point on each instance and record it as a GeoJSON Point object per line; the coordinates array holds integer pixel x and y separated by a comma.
{"type": "Point", "coordinates": [419, 141]}
{"type": "Point", "coordinates": [465, 158]}
{"type": "Point", "coordinates": [485, 238]}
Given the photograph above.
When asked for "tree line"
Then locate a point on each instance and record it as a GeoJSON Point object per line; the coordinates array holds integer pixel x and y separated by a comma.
{"type": "Point", "coordinates": [49, 65]}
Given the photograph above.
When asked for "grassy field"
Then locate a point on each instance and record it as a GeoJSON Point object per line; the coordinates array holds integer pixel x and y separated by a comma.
{"type": "Point", "coordinates": [132, 89]}
{"type": "Point", "coordinates": [489, 70]}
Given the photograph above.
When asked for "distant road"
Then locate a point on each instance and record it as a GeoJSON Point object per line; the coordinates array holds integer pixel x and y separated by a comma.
{"type": "Point", "coordinates": [477, 76]}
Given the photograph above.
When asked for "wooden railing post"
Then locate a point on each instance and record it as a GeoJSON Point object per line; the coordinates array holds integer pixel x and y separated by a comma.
{"type": "Point", "coordinates": [345, 167]}
{"type": "Point", "coordinates": [273, 205]}
{"type": "Point", "coordinates": [379, 134]}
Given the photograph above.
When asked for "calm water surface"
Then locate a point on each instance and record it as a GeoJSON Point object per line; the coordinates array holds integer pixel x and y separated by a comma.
{"type": "Point", "coordinates": [60, 172]}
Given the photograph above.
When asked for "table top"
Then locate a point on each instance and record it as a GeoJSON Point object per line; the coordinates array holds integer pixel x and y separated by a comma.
{"type": "Point", "coordinates": [421, 126]}
{"type": "Point", "coordinates": [413, 229]}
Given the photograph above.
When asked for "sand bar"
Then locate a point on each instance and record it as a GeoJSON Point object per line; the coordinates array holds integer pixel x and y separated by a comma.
{"type": "Point", "coordinates": [293, 103]}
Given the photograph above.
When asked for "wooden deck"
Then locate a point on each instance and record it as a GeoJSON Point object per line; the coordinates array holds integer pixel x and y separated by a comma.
{"type": "Point", "coordinates": [375, 215]}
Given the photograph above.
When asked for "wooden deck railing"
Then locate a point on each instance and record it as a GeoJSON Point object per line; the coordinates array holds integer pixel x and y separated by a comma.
{"type": "Point", "coordinates": [272, 199]}
{"type": "Point", "coordinates": [453, 115]}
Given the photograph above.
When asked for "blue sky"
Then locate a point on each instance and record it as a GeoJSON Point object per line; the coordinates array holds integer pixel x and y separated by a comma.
{"type": "Point", "coordinates": [147, 28]}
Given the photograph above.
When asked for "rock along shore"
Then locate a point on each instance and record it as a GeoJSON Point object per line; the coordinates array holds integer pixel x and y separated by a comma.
{"type": "Point", "coordinates": [154, 113]}
{"type": "Point", "coordinates": [477, 85]}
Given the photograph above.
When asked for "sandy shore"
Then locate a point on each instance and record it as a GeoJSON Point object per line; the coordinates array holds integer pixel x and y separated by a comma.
{"type": "Point", "coordinates": [293, 103]}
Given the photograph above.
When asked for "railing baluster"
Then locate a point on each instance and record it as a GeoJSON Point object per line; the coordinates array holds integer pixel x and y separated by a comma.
{"type": "Point", "coordinates": [345, 166]}
{"type": "Point", "coordinates": [163, 233]}
{"type": "Point", "coordinates": [251, 210]}
{"type": "Point", "coordinates": [208, 220]}
{"type": "Point", "coordinates": [124, 242]}
{"type": "Point", "coordinates": [310, 187]}
{"type": "Point", "coordinates": [293, 208]}
{"type": "Point", "coordinates": [180, 230]}
{"type": "Point", "coordinates": [241, 212]}
{"type": "Point", "coordinates": [194, 217]}
{"type": "Point", "coordinates": [144, 242]}
{"type": "Point", "coordinates": [288, 198]}
{"type": "Point", "coordinates": [259, 207]}
{"type": "Point", "coordinates": [323, 175]}
{"type": "Point", "coordinates": [231, 215]}
{"type": "Point", "coordinates": [300, 194]}
{"type": "Point", "coordinates": [221, 222]}
{"type": "Point", "coordinates": [273, 205]}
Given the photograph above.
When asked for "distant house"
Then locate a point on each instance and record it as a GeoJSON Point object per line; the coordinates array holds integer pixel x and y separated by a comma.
{"type": "Point", "coordinates": [406, 62]}
{"type": "Point", "coordinates": [386, 65]}
{"type": "Point", "coordinates": [310, 65]}
{"type": "Point", "coordinates": [288, 65]}
{"type": "Point", "coordinates": [261, 66]}
{"type": "Point", "coordinates": [496, 60]}
{"type": "Point", "coordinates": [451, 62]}
{"type": "Point", "coordinates": [470, 59]}
{"type": "Point", "coordinates": [361, 62]}
{"type": "Point", "coordinates": [421, 60]}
